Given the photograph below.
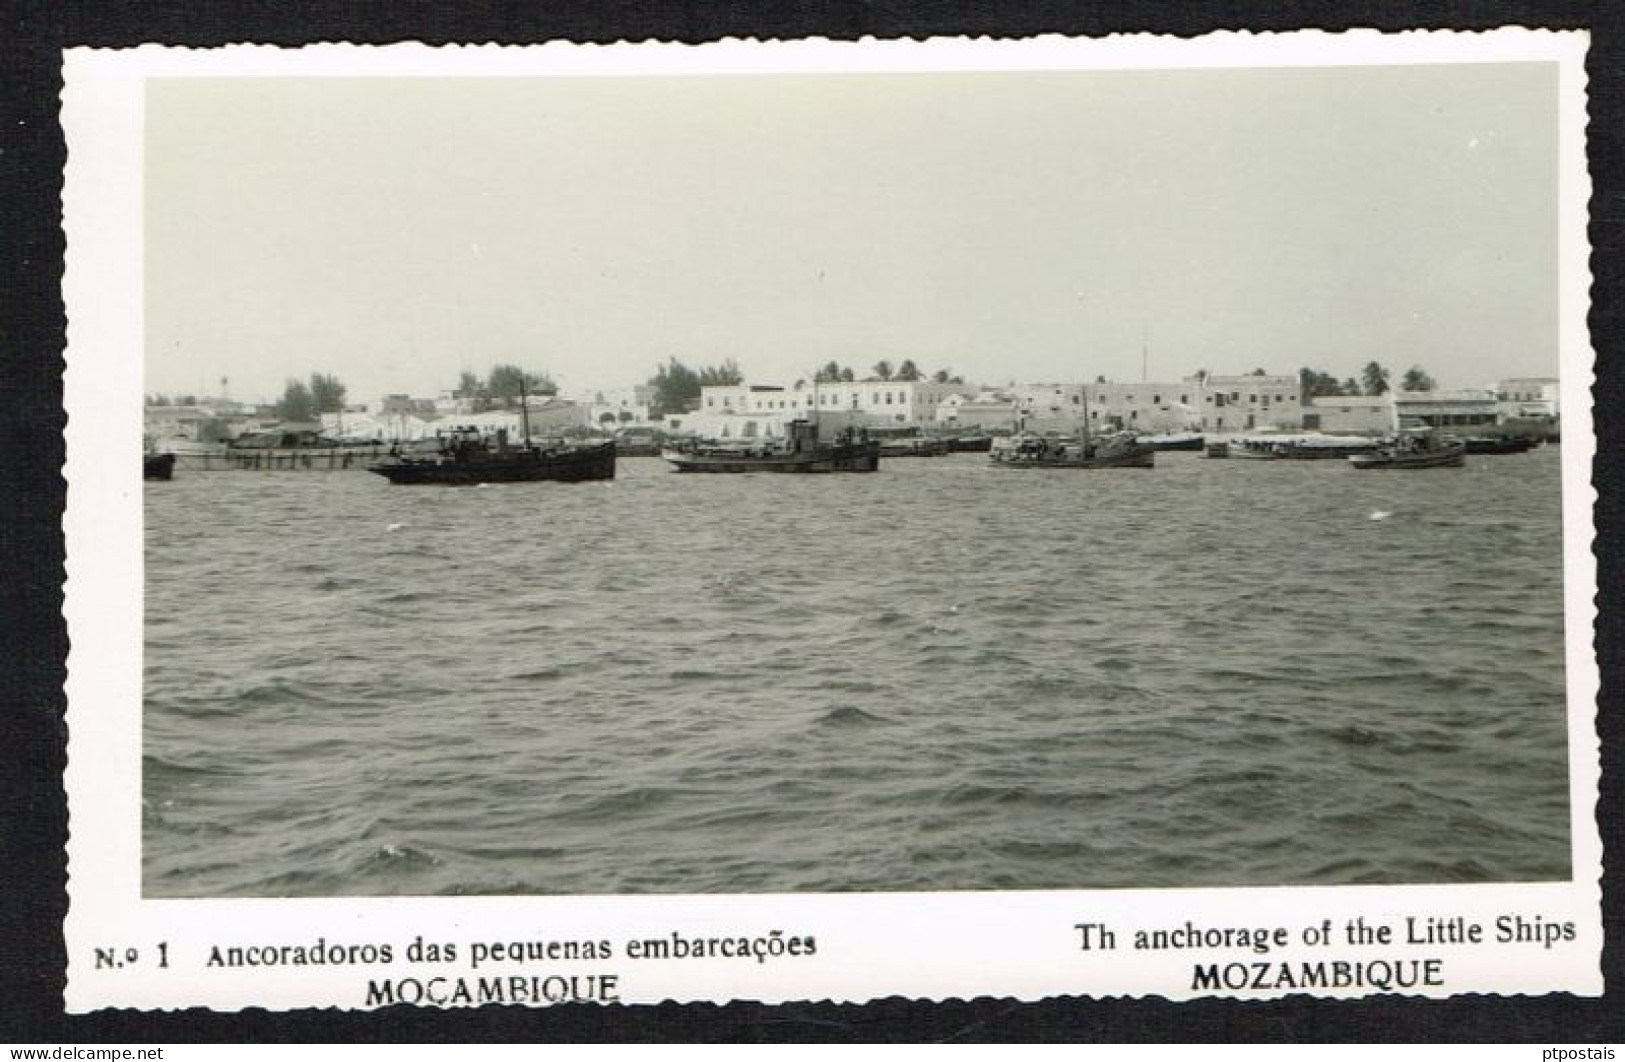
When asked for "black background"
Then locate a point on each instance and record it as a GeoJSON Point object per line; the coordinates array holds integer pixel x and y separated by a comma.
{"type": "Point", "coordinates": [33, 814]}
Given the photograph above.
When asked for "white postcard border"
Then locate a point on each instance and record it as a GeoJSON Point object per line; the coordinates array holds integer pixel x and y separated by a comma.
{"type": "Point", "coordinates": [127, 951]}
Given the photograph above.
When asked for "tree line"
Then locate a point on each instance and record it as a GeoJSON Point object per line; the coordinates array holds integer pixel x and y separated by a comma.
{"type": "Point", "coordinates": [677, 387]}
{"type": "Point", "coordinates": [1373, 381]}
{"type": "Point", "coordinates": [308, 401]}
{"type": "Point", "coordinates": [883, 371]}
{"type": "Point", "coordinates": [502, 387]}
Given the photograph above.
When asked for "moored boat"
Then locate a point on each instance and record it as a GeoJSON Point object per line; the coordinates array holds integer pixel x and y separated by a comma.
{"type": "Point", "coordinates": [1299, 447]}
{"type": "Point", "coordinates": [157, 466]}
{"type": "Point", "coordinates": [969, 444]}
{"type": "Point", "coordinates": [800, 451]}
{"type": "Point", "coordinates": [1123, 450]}
{"type": "Point", "coordinates": [1175, 442]}
{"type": "Point", "coordinates": [1120, 450]}
{"type": "Point", "coordinates": [1499, 444]}
{"type": "Point", "coordinates": [463, 457]}
{"type": "Point", "coordinates": [1413, 451]}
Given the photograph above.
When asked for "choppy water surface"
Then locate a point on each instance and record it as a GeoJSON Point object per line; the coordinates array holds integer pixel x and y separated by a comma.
{"type": "Point", "coordinates": [939, 676]}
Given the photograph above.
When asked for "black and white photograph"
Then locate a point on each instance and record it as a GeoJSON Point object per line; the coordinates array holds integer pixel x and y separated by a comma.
{"type": "Point", "coordinates": [1122, 480]}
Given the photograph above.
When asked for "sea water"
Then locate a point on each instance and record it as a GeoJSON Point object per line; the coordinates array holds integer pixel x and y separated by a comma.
{"type": "Point", "coordinates": [940, 676]}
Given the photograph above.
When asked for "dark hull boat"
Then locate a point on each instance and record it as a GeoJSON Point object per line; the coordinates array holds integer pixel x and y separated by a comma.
{"type": "Point", "coordinates": [1499, 444]}
{"type": "Point", "coordinates": [1179, 443]}
{"type": "Point", "coordinates": [1119, 452]}
{"type": "Point", "coordinates": [970, 444]}
{"type": "Point", "coordinates": [462, 460]}
{"type": "Point", "coordinates": [158, 466]}
{"type": "Point", "coordinates": [802, 452]}
{"type": "Point", "coordinates": [1426, 454]}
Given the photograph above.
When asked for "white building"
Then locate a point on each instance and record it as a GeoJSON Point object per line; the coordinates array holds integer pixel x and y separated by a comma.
{"type": "Point", "coordinates": [865, 402]}
{"type": "Point", "coordinates": [617, 406]}
{"type": "Point", "coordinates": [1471, 408]}
{"type": "Point", "coordinates": [1350, 414]}
{"type": "Point", "coordinates": [987, 410]}
{"type": "Point", "coordinates": [1528, 398]}
{"type": "Point", "coordinates": [1195, 403]}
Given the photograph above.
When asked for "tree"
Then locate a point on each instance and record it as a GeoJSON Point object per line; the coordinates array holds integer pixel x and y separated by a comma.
{"type": "Point", "coordinates": [1315, 384]}
{"type": "Point", "coordinates": [725, 375]}
{"type": "Point", "coordinates": [1259, 372]}
{"type": "Point", "coordinates": [677, 389]}
{"type": "Point", "coordinates": [1416, 380]}
{"type": "Point", "coordinates": [297, 402]}
{"type": "Point", "coordinates": [326, 393]}
{"type": "Point", "coordinates": [828, 374]}
{"type": "Point", "coordinates": [1351, 386]}
{"type": "Point", "coordinates": [504, 384]}
{"type": "Point", "coordinates": [908, 370]}
{"type": "Point", "coordinates": [883, 369]}
{"type": "Point", "coordinates": [1374, 379]}
{"type": "Point", "coordinates": [847, 375]}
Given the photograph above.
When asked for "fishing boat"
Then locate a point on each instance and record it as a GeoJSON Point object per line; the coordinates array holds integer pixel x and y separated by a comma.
{"type": "Point", "coordinates": [1414, 451]}
{"type": "Point", "coordinates": [908, 442]}
{"type": "Point", "coordinates": [1121, 450]}
{"type": "Point", "coordinates": [157, 466]}
{"type": "Point", "coordinates": [969, 444]}
{"type": "Point", "coordinates": [1499, 444]}
{"type": "Point", "coordinates": [465, 456]}
{"type": "Point", "coordinates": [1175, 442]}
{"type": "Point", "coordinates": [801, 450]}
{"type": "Point", "coordinates": [1299, 447]}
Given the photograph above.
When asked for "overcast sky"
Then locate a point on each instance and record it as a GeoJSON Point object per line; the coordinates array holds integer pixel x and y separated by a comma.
{"type": "Point", "coordinates": [1034, 227]}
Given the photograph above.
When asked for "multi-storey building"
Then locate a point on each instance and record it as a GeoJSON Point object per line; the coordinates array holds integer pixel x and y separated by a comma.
{"type": "Point", "coordinates": [1445, 409]}
{"type": "Point", "coordinates": [1528, 398]}
{"type": "Point", "coordinates": [1195, 403]}
{"type": "Point", "coordinates": [1350, 414]}
{"type": "Point", "coordinates": [872, 402]}
{"type": "Point", "coordinates": [618, 405]}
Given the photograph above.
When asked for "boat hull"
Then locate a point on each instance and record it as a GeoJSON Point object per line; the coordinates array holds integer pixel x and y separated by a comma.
{"type": "Point", "coordinates": [1132, 459]}
{"type": "Point", "coordinates": [1299, 452]}
{"type": "Point", "coordinates": [1503, 444]}
{"type": "Point", "coordinates": [1384, 460]}
{"type": "Point", "coordinates": [859, 457]}
{"type": "Point", "coordinates": [158, 466]}
{"type": "Point", "coordinates": [575, 465]}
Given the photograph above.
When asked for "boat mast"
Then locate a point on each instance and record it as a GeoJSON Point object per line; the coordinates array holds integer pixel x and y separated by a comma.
{"type": "Point", "coordinates": [816, 410]}
{"type": "Point", "coordinates": [524, 410]}
{"type": "Point", "coordinates": [1085, 419]}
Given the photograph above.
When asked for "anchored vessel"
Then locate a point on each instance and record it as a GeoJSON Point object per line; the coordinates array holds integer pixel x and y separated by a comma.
{"type": "Point", "coordinates": [1500, 444]}
{"type": "Point", "coordinates": [157, 466]}
{"type": "Point", "coordinates": [801, 451]}
{"type": "Point", "coordinates": [1117, 451]}
{"type": "Point", "coordinates": [1299, 447]}
{"type": "Point", "coordinates": [1414, 451]}
{"type": "Point", "coordinates": [463, 457]}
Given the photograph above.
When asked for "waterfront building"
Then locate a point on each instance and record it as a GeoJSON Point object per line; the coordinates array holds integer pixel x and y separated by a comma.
{"type": "Point", "coordinates": [878, 401]}
{"type": "Point", "coordinates": [1143, 407]}
{"type": "Point", "coordinates": [1247, 403]}
{"type": "Point", "coordinates": [1468, 408]}
{"type": "Point", "coordinates": [986, 411]}
{"type": "Point", "coordinates": [1528, 398]}
{"type": "Point", "coordinates": [1195, 403]}
{"type": "Point", "coordinates": [610, 407]}
{"type": "Point", "coordinates": [1350, 414]}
